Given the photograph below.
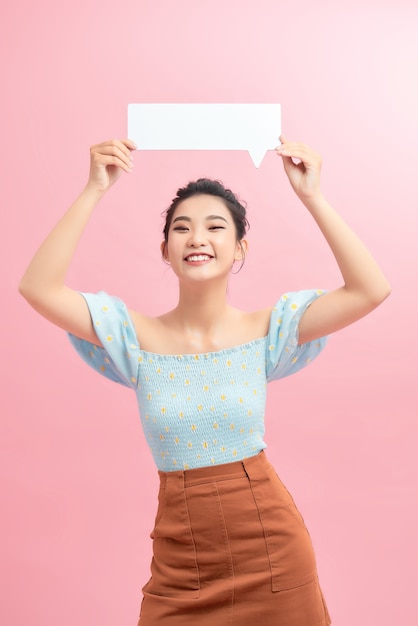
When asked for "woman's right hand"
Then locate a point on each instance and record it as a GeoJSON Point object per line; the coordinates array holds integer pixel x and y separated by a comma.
{"type": "Point", "coordinates": [107, 162]}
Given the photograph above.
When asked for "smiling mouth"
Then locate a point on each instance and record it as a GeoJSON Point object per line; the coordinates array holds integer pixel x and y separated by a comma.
{"type": "Point", "coordinates": [198, 257]}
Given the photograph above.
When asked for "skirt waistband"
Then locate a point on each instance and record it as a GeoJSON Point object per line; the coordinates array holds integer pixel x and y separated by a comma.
{"type": "Point", "coordinates": [237, 469]}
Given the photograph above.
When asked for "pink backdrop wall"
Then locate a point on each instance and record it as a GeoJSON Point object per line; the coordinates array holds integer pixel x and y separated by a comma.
{"type": "Point", "coordinates": [77, 482]}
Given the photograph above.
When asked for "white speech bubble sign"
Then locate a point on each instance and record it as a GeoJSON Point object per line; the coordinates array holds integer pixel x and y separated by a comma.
{"type": "Point", "coordinates": [252, 127]}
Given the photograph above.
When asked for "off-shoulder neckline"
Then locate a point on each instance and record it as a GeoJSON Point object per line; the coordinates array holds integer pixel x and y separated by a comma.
{"type": "Point", "coordinates": [205, 355]}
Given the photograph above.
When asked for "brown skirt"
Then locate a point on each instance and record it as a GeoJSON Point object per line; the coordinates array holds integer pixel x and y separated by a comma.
{"type": "Point", "coordinates": [230, 547]}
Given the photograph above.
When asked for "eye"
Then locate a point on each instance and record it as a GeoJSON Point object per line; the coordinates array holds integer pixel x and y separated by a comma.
{"type": "Point", "coordinates": [216, 227]}
{"type": "Point", "coordinates": [180, 229]}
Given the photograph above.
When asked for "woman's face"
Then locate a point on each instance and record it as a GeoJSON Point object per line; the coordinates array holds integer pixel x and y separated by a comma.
{"type": "Point", "coordinates": [202, 241]}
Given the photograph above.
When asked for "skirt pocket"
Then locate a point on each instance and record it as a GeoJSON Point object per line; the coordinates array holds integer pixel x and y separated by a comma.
{"type": "Point", "coordinates": [289, 547]}
{"type": "Point", "coordinates": [174, 571]}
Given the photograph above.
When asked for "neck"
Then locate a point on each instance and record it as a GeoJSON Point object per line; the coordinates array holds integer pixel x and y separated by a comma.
{"type": "Point", "coordinates": [202, 306]}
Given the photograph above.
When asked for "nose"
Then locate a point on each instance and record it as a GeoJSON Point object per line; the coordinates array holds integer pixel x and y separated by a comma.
{"type": "Point", "coordinates": [196, 239]}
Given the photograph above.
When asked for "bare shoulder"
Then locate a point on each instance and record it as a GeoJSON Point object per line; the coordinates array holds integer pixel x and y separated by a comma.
{"type": "Point", "coordinates": [243, 326]}
{"type": "Point", "coordinates": [146, 328]}
{"type": "Point", "coordinates": [258, 322]}
{"type": "Point", "coordinates": [156, 334]}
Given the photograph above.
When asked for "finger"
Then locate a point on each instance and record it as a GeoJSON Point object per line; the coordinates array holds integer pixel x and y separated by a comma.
{"type": "Point", "coordinates": [106, 159]}
{"type": "Point", "coordinates": [109, 160]}
{"type": "Point", "coordinates": [291, 165]}
{"type": "Point", "coordinates": [292, 146]}
{"type": "Point", "coordinates": [130, 144]}
{"type": "Point", "coordinates": [287, 157]}
{"type": "Point", "coordinates": [125, 145]}
{"type": "Point", "coordinates": [300, 152]}
{"type": "Point", "coordinates": [282, 142]}
{"type": "Point", "coordinates": [115, 149]}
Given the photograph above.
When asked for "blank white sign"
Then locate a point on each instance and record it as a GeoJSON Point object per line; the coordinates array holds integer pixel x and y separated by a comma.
{"type": "Point", "coordinates": [252, 127]}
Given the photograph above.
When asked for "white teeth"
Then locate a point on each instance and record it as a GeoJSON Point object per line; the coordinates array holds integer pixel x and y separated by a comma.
{"type": "Point", "coordinates": [198, 257]}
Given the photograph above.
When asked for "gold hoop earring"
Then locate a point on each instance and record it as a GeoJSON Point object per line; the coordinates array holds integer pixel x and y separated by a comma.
{"type": "Point", "coordinates": [240, 267]}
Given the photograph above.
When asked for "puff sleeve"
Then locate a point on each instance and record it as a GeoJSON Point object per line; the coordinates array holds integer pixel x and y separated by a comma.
{"type": "Point", "coordinates": [284, 355]}
{"type": "Point", "coordinates": [118, 358]}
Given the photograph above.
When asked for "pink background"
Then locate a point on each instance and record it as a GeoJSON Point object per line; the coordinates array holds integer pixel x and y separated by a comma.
{"type": "Point", "coordinates": [77, 482]}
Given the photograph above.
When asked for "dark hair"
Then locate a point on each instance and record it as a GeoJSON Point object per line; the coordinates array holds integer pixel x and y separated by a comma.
{"type": "Point", "coordinates": [206, 186]}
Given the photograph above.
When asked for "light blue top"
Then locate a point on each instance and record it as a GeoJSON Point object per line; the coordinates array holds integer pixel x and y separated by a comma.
{"type": "Point", "coordinates": [199, 409]}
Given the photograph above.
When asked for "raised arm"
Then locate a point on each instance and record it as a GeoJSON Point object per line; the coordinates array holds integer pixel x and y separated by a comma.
{"type": "Point", "coordinates": [43, 284]}
{"type": "Point", "coordinates": [365, 285]}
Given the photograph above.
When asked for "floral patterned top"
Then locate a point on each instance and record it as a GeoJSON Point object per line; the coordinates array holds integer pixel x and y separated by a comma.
{"type": "Point", "coordinates": [199, 409]}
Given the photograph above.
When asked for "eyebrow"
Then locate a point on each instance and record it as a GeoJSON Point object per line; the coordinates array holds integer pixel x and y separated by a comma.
{"type": "Point", "coordinates": [185, 218]}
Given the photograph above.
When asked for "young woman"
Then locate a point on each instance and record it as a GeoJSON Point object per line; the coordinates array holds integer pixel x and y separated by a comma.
{"type": "Point", "coordinates": [229, 545]}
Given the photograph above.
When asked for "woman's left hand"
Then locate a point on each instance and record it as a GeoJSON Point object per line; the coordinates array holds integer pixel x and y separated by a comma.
{"type": "Point", "coordinates": [304, 175]}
